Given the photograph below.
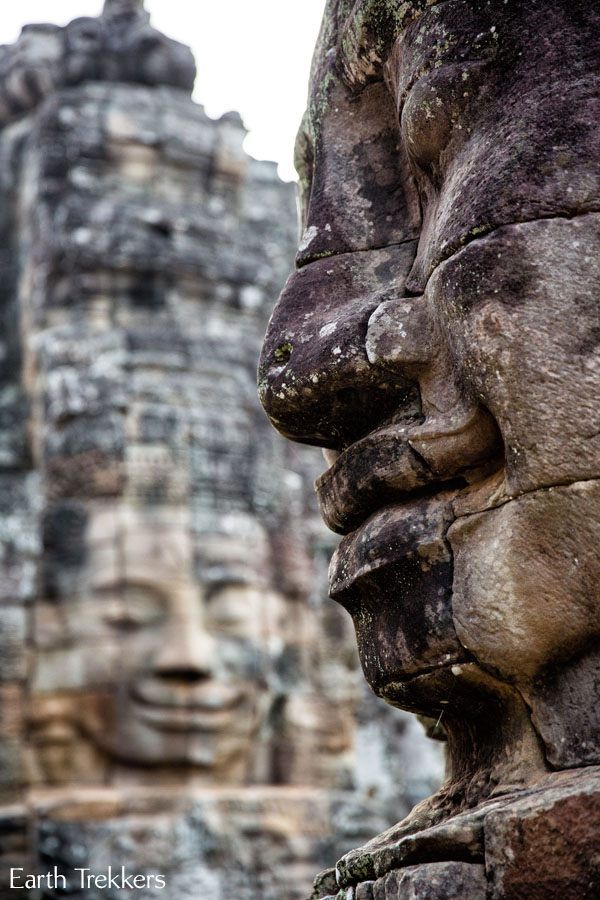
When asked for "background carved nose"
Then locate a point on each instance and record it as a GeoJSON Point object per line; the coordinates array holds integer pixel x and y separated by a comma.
{"type": "Point", "coordinates": [188, 654]}
{"type": "Point", "coordinates": [315, 380]}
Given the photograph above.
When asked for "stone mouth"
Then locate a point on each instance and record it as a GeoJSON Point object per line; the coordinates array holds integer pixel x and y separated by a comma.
{"type": "Point", "coordinates": [411, 523]}
{"type": "Point", "coordinates": [172, 719]}
{"type": "Point", "coordinates": [414, 527]}
{"type": "Point", "coordinates": [373, 473]}
{"type": "Point", "coordinates": [202, 707]}
{"type": "Point", "coordinates": [399, 682]}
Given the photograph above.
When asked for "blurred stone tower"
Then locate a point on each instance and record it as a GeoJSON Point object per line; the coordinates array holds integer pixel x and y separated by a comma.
{"type": "Point", "coordinates": [163, 631]}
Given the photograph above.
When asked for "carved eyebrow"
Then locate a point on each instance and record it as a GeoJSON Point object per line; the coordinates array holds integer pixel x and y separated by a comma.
{"type": "Point", "coordinates": [369, 34]}
{"type": "Point", "coordinates": [215, 585]}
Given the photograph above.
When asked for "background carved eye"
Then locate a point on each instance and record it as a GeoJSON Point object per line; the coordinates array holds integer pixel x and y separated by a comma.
{"type": "Point", "coordinates": [237, 610]}
{"type": "Point", "coordinates": [151, 42]}
{"type": "Point", "coordinates": [130, 607]}
{"type": "Point", "coordinates": [88, 37]}
{"type": "Point", "coordinates": [84, 33]}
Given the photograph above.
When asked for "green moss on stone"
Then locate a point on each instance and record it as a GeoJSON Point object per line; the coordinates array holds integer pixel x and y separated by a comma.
{"type": "Point", "coordinates": [283, 352]}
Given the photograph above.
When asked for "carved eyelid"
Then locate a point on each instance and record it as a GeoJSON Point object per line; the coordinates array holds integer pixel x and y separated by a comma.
{"type": "Point", "coordinates": [422, 74]}
{"type": "Point", "coordinates": [361, 55]}
{"type": "Point", "coordinates": [229, 620]}
{"type": "Point", "coordinates": [128, 618]}
{"type": "Point", "coordinates": [212, 588]}
{"type": "Point", "coordinates": [139, 585]}
{"type": "Point", "coordinates": [304, 152]}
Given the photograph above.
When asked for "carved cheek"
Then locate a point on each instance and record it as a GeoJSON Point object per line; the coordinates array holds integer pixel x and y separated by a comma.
{"type": "Point", "coordinates": [521, 579]}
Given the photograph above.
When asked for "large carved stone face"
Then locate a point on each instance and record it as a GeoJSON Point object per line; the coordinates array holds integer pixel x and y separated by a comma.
{"type": "Point", "coordinates": [440, 338]}
{"type": "Point", "coordinates": [164, 643]}
{"type": "Point", "coordinates": [159, 647]}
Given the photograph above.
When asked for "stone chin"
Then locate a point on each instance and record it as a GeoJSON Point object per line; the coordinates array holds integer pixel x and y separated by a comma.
{"type": "Point", "coordinates": [461, 598]}
{"type": "Point", "coordinates": [394, 576]}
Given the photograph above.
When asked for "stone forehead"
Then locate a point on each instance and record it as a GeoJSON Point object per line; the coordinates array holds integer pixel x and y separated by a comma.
{"type": "Point", "coordinates": [366, 31]}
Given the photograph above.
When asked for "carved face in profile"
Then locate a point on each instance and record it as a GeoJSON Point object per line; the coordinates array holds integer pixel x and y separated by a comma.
{"type": "Point", "coordinates": [165, 643]}
{"type": "Point", "coordinates": [439, 339]}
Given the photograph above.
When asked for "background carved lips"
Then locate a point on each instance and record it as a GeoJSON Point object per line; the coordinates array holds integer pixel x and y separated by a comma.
{"type": "Point", "coordinates": [186, 720]}
{"type": "Point", "coordinates": [209, 707]}
{"type": "Point", "coordinates": [205, 697]}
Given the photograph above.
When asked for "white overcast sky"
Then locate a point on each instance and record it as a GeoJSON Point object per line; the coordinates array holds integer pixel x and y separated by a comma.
{"type": "Point", "coordinates": [252, 56]}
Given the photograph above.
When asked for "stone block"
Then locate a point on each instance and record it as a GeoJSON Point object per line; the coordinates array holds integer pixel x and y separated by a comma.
{"type": "Point", "coordinates": [13, 640]}
{"type": "Point", "coordinates": [547, 844]}
{"type": "Point", "coordinates": [15, 847]}
{"type": "Point", "coordinates": [433, 881]}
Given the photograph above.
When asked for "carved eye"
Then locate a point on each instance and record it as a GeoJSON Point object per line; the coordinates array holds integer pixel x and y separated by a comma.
{"type": "Point", "coordinates": [236, 609]}
{"type": "Point", "coordinates": [131, 607]}
{"type": "Point", "coordinates": [84, 33]}
{"type": "Point", "coordinates": [88, 35]}
{"type": "Point", "coordinates": [151, 42]}
{"type": "Point", "coordinates": [433, 113]}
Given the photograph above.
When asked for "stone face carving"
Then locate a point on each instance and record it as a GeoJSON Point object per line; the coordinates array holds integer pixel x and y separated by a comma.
{"type": "Point", "coordinates": [163, 635]}
{"type": "Point", "coordinates": [439, 340]}
{"type": "Point", "coordinates": [165, 659]}
{"type": "Point", "coordinates": [162, 622]}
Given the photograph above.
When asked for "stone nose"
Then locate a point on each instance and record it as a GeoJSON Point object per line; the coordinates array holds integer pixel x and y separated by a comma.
{"type": "Point", "coordinates": [316, 382]}
{"type": "Point", "coordinates": [456, 433]}
{"type": "Point", "coordinates": [188, 652]}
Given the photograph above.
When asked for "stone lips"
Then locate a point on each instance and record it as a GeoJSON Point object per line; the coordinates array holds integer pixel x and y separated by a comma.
{"type": "Point", "coordinates": [367, 474]}
{"type": "Point", "coordinates": [394, 575]}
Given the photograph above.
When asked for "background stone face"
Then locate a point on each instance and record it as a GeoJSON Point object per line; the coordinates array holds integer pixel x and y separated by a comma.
{"type": "Point", "coordinates": [140, 483]}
